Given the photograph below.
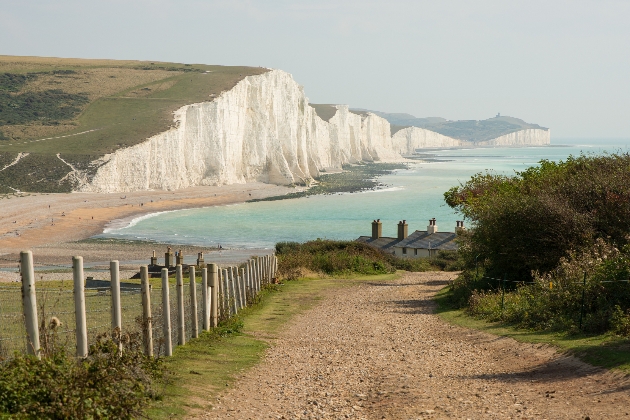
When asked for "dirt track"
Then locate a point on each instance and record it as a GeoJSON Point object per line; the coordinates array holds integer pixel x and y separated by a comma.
{"type": "Point", "coordinates": [376, 351]}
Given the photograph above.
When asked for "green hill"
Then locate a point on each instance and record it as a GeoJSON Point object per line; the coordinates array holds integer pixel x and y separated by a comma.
{"type": "Point", "coordinates": [83, 109]}
{"type": "Point", "coordinates": [469, 130]}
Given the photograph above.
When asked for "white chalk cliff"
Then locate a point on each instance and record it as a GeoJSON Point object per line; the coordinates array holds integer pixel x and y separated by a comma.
{"type": "Point", "coordinates": [264, 130]}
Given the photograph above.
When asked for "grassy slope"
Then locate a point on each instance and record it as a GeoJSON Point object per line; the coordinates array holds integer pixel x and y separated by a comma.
{"type": "Point", "coordinates": [206, 366]}
{"type": "Point", "coordinates": [129, 101]}
{"type": "Point", "coordinates": [599, 350]}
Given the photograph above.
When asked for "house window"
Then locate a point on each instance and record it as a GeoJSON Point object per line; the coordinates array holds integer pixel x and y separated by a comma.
{"type": "Point", "coordinates": [415, 251]}
{"type": "Point", "coordinates": [404, 251]}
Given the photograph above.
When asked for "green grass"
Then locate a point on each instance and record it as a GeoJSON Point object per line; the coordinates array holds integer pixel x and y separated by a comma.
{"type": "Point", "coordinates": [121, 120]}
{"type": "Point", "coordinates": [58, 121]}
{"type": "Point", "coordinates": [207, 366]}
{"type": "Point", "coordinates": [604, 350]}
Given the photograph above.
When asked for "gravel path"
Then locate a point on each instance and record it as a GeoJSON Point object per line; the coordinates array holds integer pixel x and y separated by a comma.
{"type": "Point", "coordinates": [376, 351]}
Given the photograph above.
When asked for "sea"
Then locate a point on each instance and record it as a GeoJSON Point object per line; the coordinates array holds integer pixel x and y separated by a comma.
{"type": "Point", "coordinates": [415, 194]}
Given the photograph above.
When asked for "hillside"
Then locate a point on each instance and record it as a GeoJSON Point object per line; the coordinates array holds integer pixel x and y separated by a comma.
{"type": "Point", "coordinates": [467, 130]}
{"type": "Point", "coordinates": [84, 109]}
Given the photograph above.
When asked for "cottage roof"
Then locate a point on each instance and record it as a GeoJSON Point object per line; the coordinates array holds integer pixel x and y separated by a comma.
{"type": "Point", "coordinates": [422, 240]}
{"type": "Point", "coordinates": [418, 239]}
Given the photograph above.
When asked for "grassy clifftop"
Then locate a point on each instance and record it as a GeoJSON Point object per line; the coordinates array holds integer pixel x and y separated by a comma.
{"type": "Point", "coordinates": [83, 109]}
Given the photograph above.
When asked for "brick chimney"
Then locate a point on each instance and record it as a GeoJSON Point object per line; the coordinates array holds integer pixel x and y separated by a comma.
{"type": "Point", "coordinates": [403, 229]}
{"type": "Point", "coordinates": [460, 226]}
{"type": "Point", "coordinates": [432, 228]}
{"type": "Point", "coordinates": [377, 229]}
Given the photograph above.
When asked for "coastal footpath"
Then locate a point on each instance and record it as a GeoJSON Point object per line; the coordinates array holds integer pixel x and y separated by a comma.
{"type": "Point", "coordinates": [263, 130]}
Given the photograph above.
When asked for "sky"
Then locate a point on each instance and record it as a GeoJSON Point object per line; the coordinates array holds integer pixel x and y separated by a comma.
{"type": "Point", "coordinates": [561, 64]}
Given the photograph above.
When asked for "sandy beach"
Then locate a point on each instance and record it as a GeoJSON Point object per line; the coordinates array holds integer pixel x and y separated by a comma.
{"type": "Point", "coordinates": [51, 224]}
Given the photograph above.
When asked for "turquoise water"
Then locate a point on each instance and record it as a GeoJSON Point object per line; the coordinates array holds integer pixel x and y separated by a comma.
{"type": "Point", "coordinates": [415, 194]}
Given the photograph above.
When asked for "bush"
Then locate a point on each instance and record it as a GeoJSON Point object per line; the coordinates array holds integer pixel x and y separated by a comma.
{"type": "Point", "coordinates": [528, 222]}
{"type": "Point", "coordinates": [559, 300]}
{"type": "Point", "coordinates": [106, 384]}
{"type": "Point", "coordinates": [341, 258]}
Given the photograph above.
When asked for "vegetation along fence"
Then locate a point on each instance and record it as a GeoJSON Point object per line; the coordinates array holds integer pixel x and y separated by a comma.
{"type": "Point", "coordinates": [578, 296]}
{"type": "Point", "coordinates": [167, 312]}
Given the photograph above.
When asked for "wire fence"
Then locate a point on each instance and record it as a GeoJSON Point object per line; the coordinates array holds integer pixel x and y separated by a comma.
{"type": "Point", "coordinates": [31, 312]}
{"type": "Point", "coordinates": [587, 289]}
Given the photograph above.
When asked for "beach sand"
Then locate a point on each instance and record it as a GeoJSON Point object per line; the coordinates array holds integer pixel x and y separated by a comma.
{"type": "Point", "coordinates": [51, 224]}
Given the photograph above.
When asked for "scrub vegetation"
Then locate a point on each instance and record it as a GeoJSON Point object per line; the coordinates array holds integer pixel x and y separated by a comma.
{"type": "Point", "coordinates": [350, 258]}
{"type": "Point", "coordinates": [106, 384]}
{"type": "Point", "coordinates": [549, 249]}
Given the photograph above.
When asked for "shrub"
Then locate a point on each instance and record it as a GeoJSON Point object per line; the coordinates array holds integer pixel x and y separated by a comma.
{"type": "Point", "coordinates": [528, 222]}
{"type": "Point", "coordinates": [341, 257]}
{"type": "Point", "coordinates": [561, 299]}
{"type": "Point", "coordinates": [106, 384]}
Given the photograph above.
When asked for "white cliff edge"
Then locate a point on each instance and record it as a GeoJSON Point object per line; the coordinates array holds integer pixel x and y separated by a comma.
{"type": "Point", "coordinates": [263, 130]}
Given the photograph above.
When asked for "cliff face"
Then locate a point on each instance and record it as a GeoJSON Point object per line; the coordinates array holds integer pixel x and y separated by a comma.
{"type": "Point", "coordinates": [528, 137]}
{"type": "Point", "coordinates": [261, 130]}
{"type": "Point", "coordinates": [408, 139]}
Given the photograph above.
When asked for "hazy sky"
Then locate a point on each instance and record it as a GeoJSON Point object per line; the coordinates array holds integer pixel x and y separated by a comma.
{"type": "Point", "coordinates": [561, 64]}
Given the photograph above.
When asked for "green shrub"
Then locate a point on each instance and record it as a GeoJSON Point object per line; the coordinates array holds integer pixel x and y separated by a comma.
{"type": "Point", "coordinates": [560, 300]}
{"type": "Point", "coordinates": [106, 384]}
{"type": "Point", "coordinates": [528, 222]}
{"type": "Point", "coordinates": [341, 257]}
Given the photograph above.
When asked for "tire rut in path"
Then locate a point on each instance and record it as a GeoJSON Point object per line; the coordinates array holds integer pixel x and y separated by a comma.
{"type": "Point", "coordinates": [377, 351]}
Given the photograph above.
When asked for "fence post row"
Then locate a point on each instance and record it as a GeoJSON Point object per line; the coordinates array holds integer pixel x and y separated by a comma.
{"type": "Point", "coordinates": [166, 315]}
{"type": "Point", "coordinates": [79, 306]}
{"type": "Point", "coordinates": [147, 327]}
{"type": "Point", "coordinates": [29, 303]}
{"type": "Point", "coordinates": [224, 292]}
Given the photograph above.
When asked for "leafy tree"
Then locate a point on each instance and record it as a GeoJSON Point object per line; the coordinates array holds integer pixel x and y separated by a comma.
{"type": "Point", "coordinates": [529, 221]}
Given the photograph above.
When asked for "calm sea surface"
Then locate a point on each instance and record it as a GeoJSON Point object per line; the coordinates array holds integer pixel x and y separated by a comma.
{"type": "Point", "coordinates": [415, 194]}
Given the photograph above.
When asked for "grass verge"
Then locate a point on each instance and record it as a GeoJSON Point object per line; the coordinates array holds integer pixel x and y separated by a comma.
{"type": "Point", "coordinates": [604, 350]}
{"type": "Point", "coordinates": [207, 366]}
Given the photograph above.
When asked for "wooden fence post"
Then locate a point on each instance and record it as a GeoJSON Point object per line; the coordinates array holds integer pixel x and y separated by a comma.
{"type": "Point", "coordinates": [194, 320]}
{"type": "Point", "coordinates": [205, 325]}
{"type": "Point", "coordinates": [214, 295]}
{"type": "Point", "coordinates": [256, 275]}
{"type": "Point", "coordinates": [166, 315]}
{"type": "Point", "coordinates": [116, 310]}
{"type": "Point", "coordinates": [222, 291]}
{"type": "Point", "coordinates": [238, 288]}
{"type": "Point", "coordinates": [248, 285]}
{"type": "Point", "coordinates": [226, 294]}
{"type": "Point", "coordinates": [29, 303]}
{"type": "Point", "coordinates": [181, 313]}
{"type": "Point", "coordinates": [243, 287]}
{"type": "Point", "coordinates": [79, 306]}
{"type": "Point", "coordinates": [233, 296]}
{"type": "Point", "coordinates": [147, 327]}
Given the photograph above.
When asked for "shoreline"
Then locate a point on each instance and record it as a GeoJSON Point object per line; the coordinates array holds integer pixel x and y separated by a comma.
{"type": "Point", "coordinates": [51, 225]}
